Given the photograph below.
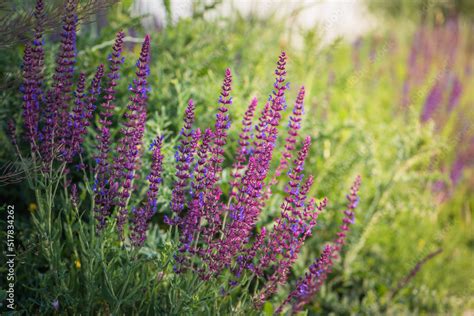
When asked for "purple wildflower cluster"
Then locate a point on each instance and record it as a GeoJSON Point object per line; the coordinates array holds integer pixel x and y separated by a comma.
{"type": "Point", "coordinates": [57, 120]}
{"type": "Point", "coordinates": [317, 273]}
{"type": "Point", "coordinates": [218, 234]}
{"type": "Point", "coordinates": [115, 173]}
{"type": "Point", "coordinates": [431, 46]}
{"type": "Point", "coordinates": [432, 63]}
{"type": "Point", "coordinates": [435, 46]}
{"type": "Point", "coordinates": [312, 281]}
{"type": "Point", "coordinates": [53, 130]}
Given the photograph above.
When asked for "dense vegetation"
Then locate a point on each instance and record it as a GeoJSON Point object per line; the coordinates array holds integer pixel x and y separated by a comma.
{"type": "Point", "coordinates": [393, 107]}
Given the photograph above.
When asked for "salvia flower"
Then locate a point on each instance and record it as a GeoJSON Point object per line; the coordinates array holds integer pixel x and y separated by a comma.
{"type": "Point", "coordinates": [349, 215]}
{"type": "Point", "coordinates": [142, 215]}
{"type": "Point", "coordinates": [245, 261]}
{"type": "Point", "coordinates": [113, 75]}
{"type": "Point", "coordinates": [220, 131]}
{"type": "Point", "coordinates": [48, 146]}
{"type": "Point", "coordinates": [243, 213]}
{"type": "Point", "coordinates": [132, 134]}
{"type": "Point", "coordinates": [76, 121]}
{"type": "Point", "coordinates": [33, 66]}
{"type": "Point", "coordinates": [105, 185]}
{"type": "Point", "coordinates": [190, 224]}
{"type": "Point", "coordinates": [64, 72]}
{"type": "Point", "coordinates": [94, 92]}
{"type": "Point", "coordinates": [212, 208]}
{"type": "Point", "coordinates": [312, 281]}
{"type": "Point", "coordinates": [30, 97]}
{"type": "Point", "coordinates": [278, 102]}
{"type": "Point", "coordinates": [213, 234]}
{"type": "Point", "coordinates": [433, 100]}
{"type": "Point", "coordinates": [317, 273]}
{"type": "Point", "coordinates": [55, 131]}
{"type": "Point", "coordinates": [298, 217]}
{"type": "Point", "coordinates": [293, 127]}
{"type": "Point", "coordinates": [455, 94]}
{"type": "Point", "coordinates": [243, 149]}
{"type": "Point", "coordinates": [184, 157]}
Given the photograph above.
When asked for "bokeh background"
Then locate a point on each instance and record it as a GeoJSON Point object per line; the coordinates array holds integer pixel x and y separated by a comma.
{"type": "Point", "coordinates": [390, 96]}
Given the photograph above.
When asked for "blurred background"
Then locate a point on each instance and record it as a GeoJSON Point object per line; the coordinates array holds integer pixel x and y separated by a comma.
{"type": "Point", "coordinates": [389, 96]}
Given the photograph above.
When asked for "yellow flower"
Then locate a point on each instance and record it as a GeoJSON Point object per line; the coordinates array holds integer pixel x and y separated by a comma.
{"type": "Point", "coordinates": [77, 263]}
{"type": "Point", "coordinates": [32, 207]}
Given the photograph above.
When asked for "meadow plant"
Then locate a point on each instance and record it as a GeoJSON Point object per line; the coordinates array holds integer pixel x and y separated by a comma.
{"type": "Point", "coordinates": [432, 62]}
{"type": "Point", "coordinates": [218, 232]}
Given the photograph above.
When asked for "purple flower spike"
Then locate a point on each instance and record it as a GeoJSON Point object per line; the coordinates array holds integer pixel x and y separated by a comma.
{"type": "Point", "coordinates": [291, 229]}
{"type": "Point", "coordinates": [212, 208]}
{"type": "Point", "coordinates": [64, 72]}
{"type": "Point", "coordinates": [243, 151]}
{"type": "Point", "coordinates": [130, 145]}
{"type": "Point", "coordinates": [48, 146]}
{"type": "Point", "coordinates": [29, 89]}
{"type": "Point", "coordinates": [37, 47]}
{"type": "Point", "coordinates": [184, 158]}
{"type": "Point", "coordinates": [312, 281]}
{"type": "Point", "coordinates": [353, 200]}
{"type": "Point", "coordinates": [56, 132]}
{"type": "Point", "coordinates": [76, 121]}
{"type": "Point", "coordinates": [220, 133]}
{"type": "Point", "coordinates": [33, 67]}
{"type": "Point", "coordinates": [105, 193]}
{"type": "Point", "coordinates": [143, 215]}
{"type": "Point", "coordinates": [94, 93]}
{"type": "Point", "coordinates": [310, 284]}
{"type": "Point", "coordinates": [115, 61]}
{"type": "Point", "coordinates": [278, 102]}
{"type": "Point", "coordinates": [455, 94]}
{"type": "Point", "coordinates": [82, 112]}
{"type": "Point", "coordinates": [190, 225]}
{"type": "Point", "coordinates": [433, 101]}
{"type": "Point", "coordinates": [244, 212]}
{"type": "Point", "coordinates": [294, 126]}
{"type": "Point", "coordinates": [246, 261]}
